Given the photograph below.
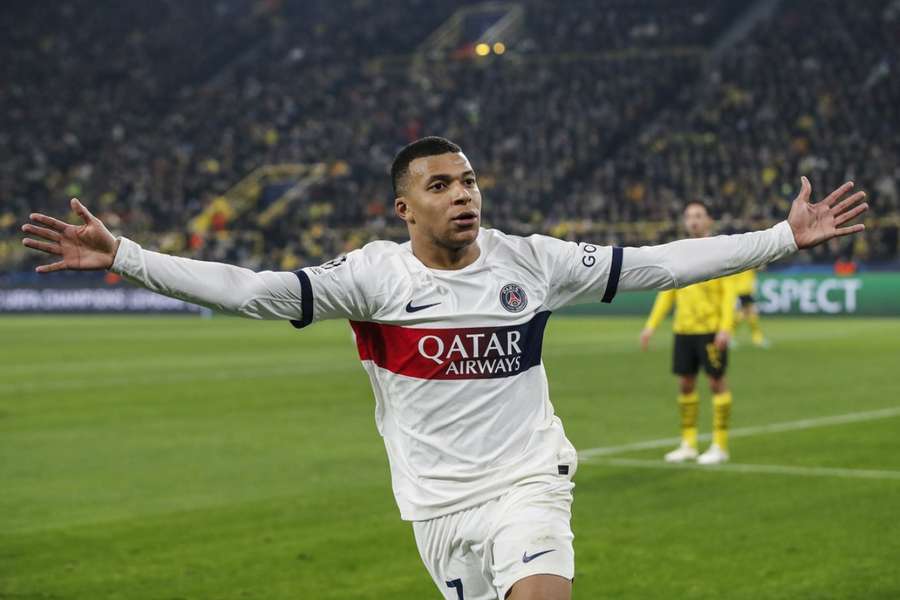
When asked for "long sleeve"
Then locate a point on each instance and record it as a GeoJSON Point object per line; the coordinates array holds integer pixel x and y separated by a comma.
{"type": "Point", "coordinates": [661, 308]}
{"type": "Point", "coordinates": [684, 262]}
{"type": "Point", "coordinates": [224, 288]}
{"type": "Point", "coordinates": [729, 299]}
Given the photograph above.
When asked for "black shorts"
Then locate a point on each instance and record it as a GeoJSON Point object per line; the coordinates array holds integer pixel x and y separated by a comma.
{"type": "Point", "coordinates": [691, 351]}
{"type": "Point", "coordinates": [746, 300]}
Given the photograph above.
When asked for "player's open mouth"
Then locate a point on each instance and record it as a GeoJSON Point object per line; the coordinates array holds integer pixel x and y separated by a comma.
{"type": "Point", "coordinates": [466, 219]}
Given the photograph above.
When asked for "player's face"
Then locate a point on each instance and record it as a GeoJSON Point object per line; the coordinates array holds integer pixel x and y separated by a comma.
{"type": "Point", "coordinates": [442, 200]}
{"type": "Point", "coordinates": [697, 221]}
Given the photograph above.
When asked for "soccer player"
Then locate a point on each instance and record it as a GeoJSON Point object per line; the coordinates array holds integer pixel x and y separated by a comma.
{"type": "Point", "coordinates": [449, 328]}
{"type": "Point", "coordinates": [745, 286]}
{"type": "Point", "coordinates": [704, 322]}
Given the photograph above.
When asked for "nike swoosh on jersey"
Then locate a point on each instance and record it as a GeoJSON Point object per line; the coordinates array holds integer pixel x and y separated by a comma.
{"type": "Point", "coordinates": [526, 558]}
{"type": "Point", "coordinates": [411, 309]}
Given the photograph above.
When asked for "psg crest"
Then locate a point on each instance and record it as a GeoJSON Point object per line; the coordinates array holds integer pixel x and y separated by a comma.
{"type": "Point", "coordinates": [513, 297]}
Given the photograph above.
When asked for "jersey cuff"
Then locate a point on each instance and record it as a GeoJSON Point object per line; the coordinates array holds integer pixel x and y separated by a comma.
{"type": "Point", "coordinates": [306, 300]}
{"type": "Point", "coordinates": [615, 270]}
{"type": "Point", "coordinates": [127, 261]}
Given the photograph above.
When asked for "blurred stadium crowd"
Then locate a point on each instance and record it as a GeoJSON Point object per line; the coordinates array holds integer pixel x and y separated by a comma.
{"type": "Point", "coordinates": [599, 120]}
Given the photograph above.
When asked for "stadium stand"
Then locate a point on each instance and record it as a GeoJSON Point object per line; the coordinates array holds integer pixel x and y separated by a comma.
{"type": "Point", "coordinates": [261, 132]}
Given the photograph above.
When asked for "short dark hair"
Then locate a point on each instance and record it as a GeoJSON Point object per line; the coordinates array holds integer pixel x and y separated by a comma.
{"type": "Point", "coordinates": [700, 203]}
{"type": "Point", "coordinates": [427, 146]}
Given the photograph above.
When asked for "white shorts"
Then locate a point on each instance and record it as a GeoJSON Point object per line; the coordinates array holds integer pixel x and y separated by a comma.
{"type": "Point", "coordinates": [480, 552]}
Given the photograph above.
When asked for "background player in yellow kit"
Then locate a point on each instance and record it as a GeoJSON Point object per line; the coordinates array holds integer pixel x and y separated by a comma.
{"type": "Point", "coordinates": [745, 284]}
{"type": "Point", "coordinates": [704, 321]}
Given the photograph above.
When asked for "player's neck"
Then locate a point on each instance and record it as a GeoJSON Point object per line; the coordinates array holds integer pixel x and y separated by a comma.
{"type": "Point", "coordinates": [434, 256]}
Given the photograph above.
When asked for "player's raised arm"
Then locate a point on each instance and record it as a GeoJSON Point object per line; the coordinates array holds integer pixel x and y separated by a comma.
{"type": "Point", "coordinates": [225, 288]}
{"type": "Point", "coordinates": [684, 262]}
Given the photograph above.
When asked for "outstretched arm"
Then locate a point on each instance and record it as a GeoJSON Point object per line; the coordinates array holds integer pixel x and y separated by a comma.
{"type": "Point", "coordinates": [225, 288]}
{"type": "Point", "coordinates": [684, 262]}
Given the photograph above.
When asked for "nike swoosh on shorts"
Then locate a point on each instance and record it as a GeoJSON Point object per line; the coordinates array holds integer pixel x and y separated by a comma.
{"type": "Point", "coordinates": [526, 558]}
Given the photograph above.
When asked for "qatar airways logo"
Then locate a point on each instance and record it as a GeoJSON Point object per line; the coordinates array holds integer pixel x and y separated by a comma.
{"type": "Point", "coordinates": [475, 353]}
{"type": "Point", "coordinates": [459, 353]}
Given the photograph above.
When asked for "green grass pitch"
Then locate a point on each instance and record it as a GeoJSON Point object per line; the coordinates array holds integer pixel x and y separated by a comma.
{"type": "Point", "coordinates": [219, 459]}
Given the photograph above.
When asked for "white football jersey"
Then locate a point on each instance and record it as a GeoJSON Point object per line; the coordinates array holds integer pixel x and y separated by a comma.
{"type": "Point", "coordinates": [454, 358]}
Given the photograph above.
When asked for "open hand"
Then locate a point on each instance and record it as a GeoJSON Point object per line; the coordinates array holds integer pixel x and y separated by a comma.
{"type": "Point", "coordinates": [81, 247]}
{"type": "Point", "coordinates": [813, 224]}
{"type": "Point", "coordinates": [723, 338]}
{"type": "Point", "coordinates": [646, 334]}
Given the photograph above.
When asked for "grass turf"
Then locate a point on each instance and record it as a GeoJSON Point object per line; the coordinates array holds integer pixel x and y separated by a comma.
{"type": "Point", "coordinates": [182, 458]}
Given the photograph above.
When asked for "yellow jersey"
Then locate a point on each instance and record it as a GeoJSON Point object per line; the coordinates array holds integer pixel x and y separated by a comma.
{"type": "Point", "coordinates": [706, 307]}
{"type": "Point", "coordinates": [744, 283]}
